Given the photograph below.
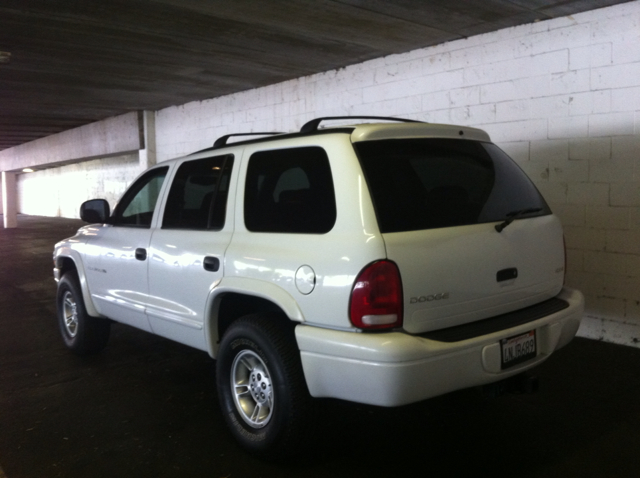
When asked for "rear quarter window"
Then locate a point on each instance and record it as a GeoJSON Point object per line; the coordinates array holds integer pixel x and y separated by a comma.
{"type": "Point", "coordinates": [290, 191]}
{"type": "Point", "coordinates": [432, 183]}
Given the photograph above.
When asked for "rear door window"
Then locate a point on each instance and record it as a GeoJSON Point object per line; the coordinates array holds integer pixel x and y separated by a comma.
{"type": "Point", "coordinates": [198, 195]}
{"type": "Point", "coordinates": [431, 183]}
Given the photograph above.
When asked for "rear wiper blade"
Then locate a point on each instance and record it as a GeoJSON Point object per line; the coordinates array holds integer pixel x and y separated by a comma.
{"type": "Point", "coordinates": [511, 216]}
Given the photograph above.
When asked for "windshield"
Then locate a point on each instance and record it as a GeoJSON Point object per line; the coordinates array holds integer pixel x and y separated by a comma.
{"type": "Point", "coordinates": [431, 183]}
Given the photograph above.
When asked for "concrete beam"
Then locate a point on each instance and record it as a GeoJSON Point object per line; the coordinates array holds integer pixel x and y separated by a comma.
{"type": "Point", "coordinates": [9, 200]}
{"type": "Point", "coordinates": [118, 135]}
{"type": "Point", "coordinates": [148, 129]}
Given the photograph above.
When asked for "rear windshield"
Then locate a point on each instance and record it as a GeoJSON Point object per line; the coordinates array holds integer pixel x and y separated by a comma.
{"type": "Point", "coordinates": [431, 183]}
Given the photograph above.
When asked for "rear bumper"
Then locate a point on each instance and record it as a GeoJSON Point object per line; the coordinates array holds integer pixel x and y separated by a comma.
{"type": "Point", "coordinates": [395, 368]}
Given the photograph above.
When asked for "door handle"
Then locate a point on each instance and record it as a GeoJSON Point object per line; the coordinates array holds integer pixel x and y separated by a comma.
{"type": "Point", "coordinates": [211, 264]}
{"type": "Point", "coordinates": [141, 254]}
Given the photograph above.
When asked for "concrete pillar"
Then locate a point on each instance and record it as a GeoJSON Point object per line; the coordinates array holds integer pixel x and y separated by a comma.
{"type": "Point", "coordinates": [9, 199]}
{"type": "Point", "coordinates": [147, 153]}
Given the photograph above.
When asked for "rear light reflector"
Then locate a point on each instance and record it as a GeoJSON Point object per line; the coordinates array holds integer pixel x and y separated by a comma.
{"type": "Point", "coordinates": [376, 298]}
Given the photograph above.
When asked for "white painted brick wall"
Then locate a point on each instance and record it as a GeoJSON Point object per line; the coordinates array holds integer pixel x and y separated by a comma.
{"type": "Point", "coordinates": [561, 96]}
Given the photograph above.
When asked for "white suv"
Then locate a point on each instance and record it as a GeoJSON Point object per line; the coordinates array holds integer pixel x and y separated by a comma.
{"type": "Point", "coordinates": [379, 263]}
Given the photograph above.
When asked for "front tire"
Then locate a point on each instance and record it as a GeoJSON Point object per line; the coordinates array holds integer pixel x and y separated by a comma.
{"type": "Point", "coordinates": [261, 387]}
{"type": "Point", "coordinates": [81, 333]}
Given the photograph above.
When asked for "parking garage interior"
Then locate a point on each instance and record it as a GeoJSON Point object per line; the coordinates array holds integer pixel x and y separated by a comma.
{"type": "Point", "coordinates": [93, 94]}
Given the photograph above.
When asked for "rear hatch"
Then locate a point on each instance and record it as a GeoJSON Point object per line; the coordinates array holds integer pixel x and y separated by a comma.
{"type": "Point", "coordinates": [438, 202]}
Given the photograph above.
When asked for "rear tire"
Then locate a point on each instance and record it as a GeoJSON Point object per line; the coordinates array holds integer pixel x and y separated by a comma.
{"type": "Point", "coordinates": [261, 387]}
{"type": "Point", "coordinates": [81, 333]}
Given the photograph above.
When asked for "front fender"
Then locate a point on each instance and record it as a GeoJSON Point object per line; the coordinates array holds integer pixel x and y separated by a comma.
{"type": "Point", "coordinates": [65, 252]}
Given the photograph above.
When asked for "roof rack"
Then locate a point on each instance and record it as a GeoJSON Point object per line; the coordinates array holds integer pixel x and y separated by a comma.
{"type": "Point", "coordinates": [312, 125]}
{"type": "Point", "coordinates": [222, 140]}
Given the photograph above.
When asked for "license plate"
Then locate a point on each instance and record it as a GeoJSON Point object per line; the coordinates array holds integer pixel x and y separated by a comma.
{"type": "Point", "coordinates": [518, 349]}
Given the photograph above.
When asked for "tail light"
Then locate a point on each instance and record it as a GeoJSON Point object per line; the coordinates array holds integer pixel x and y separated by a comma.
{"type": "Point", "coordinates": [376, 299]}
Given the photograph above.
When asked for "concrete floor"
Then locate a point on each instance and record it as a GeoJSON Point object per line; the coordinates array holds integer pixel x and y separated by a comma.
{"type": "Point", "coordinates": [147, 407]}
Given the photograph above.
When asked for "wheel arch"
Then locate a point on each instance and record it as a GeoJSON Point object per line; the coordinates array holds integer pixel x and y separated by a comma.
{"type": "Point", "coordinates": [235, 297]}
{"type": "Point", "coordinates": [69, 263]}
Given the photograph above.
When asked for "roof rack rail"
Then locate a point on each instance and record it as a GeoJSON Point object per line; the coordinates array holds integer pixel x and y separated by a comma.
{"type": "Point", "coordinates": [222, 140]}
{"type": "Point", "coordinates": [312, 125]}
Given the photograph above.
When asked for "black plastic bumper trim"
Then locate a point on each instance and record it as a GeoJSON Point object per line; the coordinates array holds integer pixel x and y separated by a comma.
{"type": "Point", "coordinates": [497, 323]}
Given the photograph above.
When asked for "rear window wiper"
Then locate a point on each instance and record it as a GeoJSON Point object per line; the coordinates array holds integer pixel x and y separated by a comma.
{"type": "Point", "coordinates": [511, 216]}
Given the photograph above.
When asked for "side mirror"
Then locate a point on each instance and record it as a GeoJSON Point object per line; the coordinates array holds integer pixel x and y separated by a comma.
{"type": "Point", "coordinates": [95, 211]}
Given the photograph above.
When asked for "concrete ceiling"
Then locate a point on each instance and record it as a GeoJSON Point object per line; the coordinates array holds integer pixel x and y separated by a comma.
{"type": "Point", "coordinates": [73, 62]}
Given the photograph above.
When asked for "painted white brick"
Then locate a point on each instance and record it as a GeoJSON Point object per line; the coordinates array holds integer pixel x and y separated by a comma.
{"type": "Point", "coordinates": [610, 172]}
{"type": "Point", "coordinates": [524, 88]}
{"type": "Point", "coordinates": [626, 52]}
{"type": "Point", "coordinates": [549, 150]}
{"type": "Point", "coordinates": [590, 148]}
{"type": "Point", "coordinates": [513, 110]}
{"type": "Point", "coordinates": [616, 76]}
{"type": "Point", "coordinates": [590, 56]}
{"type": "Point", "coordinates": [622, 287]}
{"type": "Point", "coordinates": [435, 101]}
{"type": "Point", "coordinates": [626, 149]}
{"type": "Point", "coordinates": [569, 127]}
{"type": "Point", "coordinates": [518, 130]}
{"type": "Point", "coordinates": [569, 82]}
{"type": "Point", "coordinates": [632, 315]}
{"type": "Point", "coordinates": [606, 262]}
{"type": "Point", "coordinates": [590, 103]}
{"type": "Point", "coordinates": [467, 57]}
{"type": "Point", "coordinates": [611, 124]}
{"type": "Point", "coordinates": [499, 50]}
{"type": "Point", "coordinates": [536, 65]}
{"type": "Point", "coordinates": [570, 214]}
{"type": "Point", "coordinates": [575, 260]}
{"type": "Point", "coordinates": [632, 265]}
{"type": "Point", "coordinates": [464, 96]}
{"type": "Point", "coordinates": [538, 171]}
{"type": "Point", "coordinates": [620, 28]}
{"type": "Point", "coordinates": [627, 242]}
{"type": "Point", "coordinates": [548, 107]}
{"type": "Point", "coordinates": [518, 150]}
{"type": "Point", "coordinates": [393, 71]}
{"type": "Point", "coordinates": [634, 218]}
{"type": "Point", "coordinates": [571, 36]}
{"type": "Point", "coordinates": [437, 116]}
{"type": "Point", "coordinates": [625, 194]}
{"type": "Point", "coordinates": [554, 193]}
{"type": "Point", "coordinates": [585, 239]}
{"type": "Point", "coordinates": [438, 64]}
{"type": "Point", "coordinates": [554, 24]}
{"type": "Point", "coordinates": [605, 217]}
{"type": "Point", "coordinates": [626, 99]}
{"type": "Point", "coordinates": [569, 171]}
{"type": "Point", "coordinates": [590, 283]}
{"type": "Point", "coordinates": [605, 307]}
{"type": "Point", "coordinates": [482, 114]}
{"type": "Point", "coordinates": [591, 194]}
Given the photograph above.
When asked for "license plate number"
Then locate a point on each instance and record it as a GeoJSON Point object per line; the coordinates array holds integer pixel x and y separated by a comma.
{"type": "Point", "coordinates": [518, 349]}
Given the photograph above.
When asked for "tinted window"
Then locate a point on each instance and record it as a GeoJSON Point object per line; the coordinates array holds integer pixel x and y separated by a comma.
{"type": "Point", "coordinates": [432, 183]}
{"type": "Point", "coordinates": [289, 190]}
{"type": "Point", "coordinates": [138, 203]}
{"type": "Point", "coordinates": [198, 195]}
